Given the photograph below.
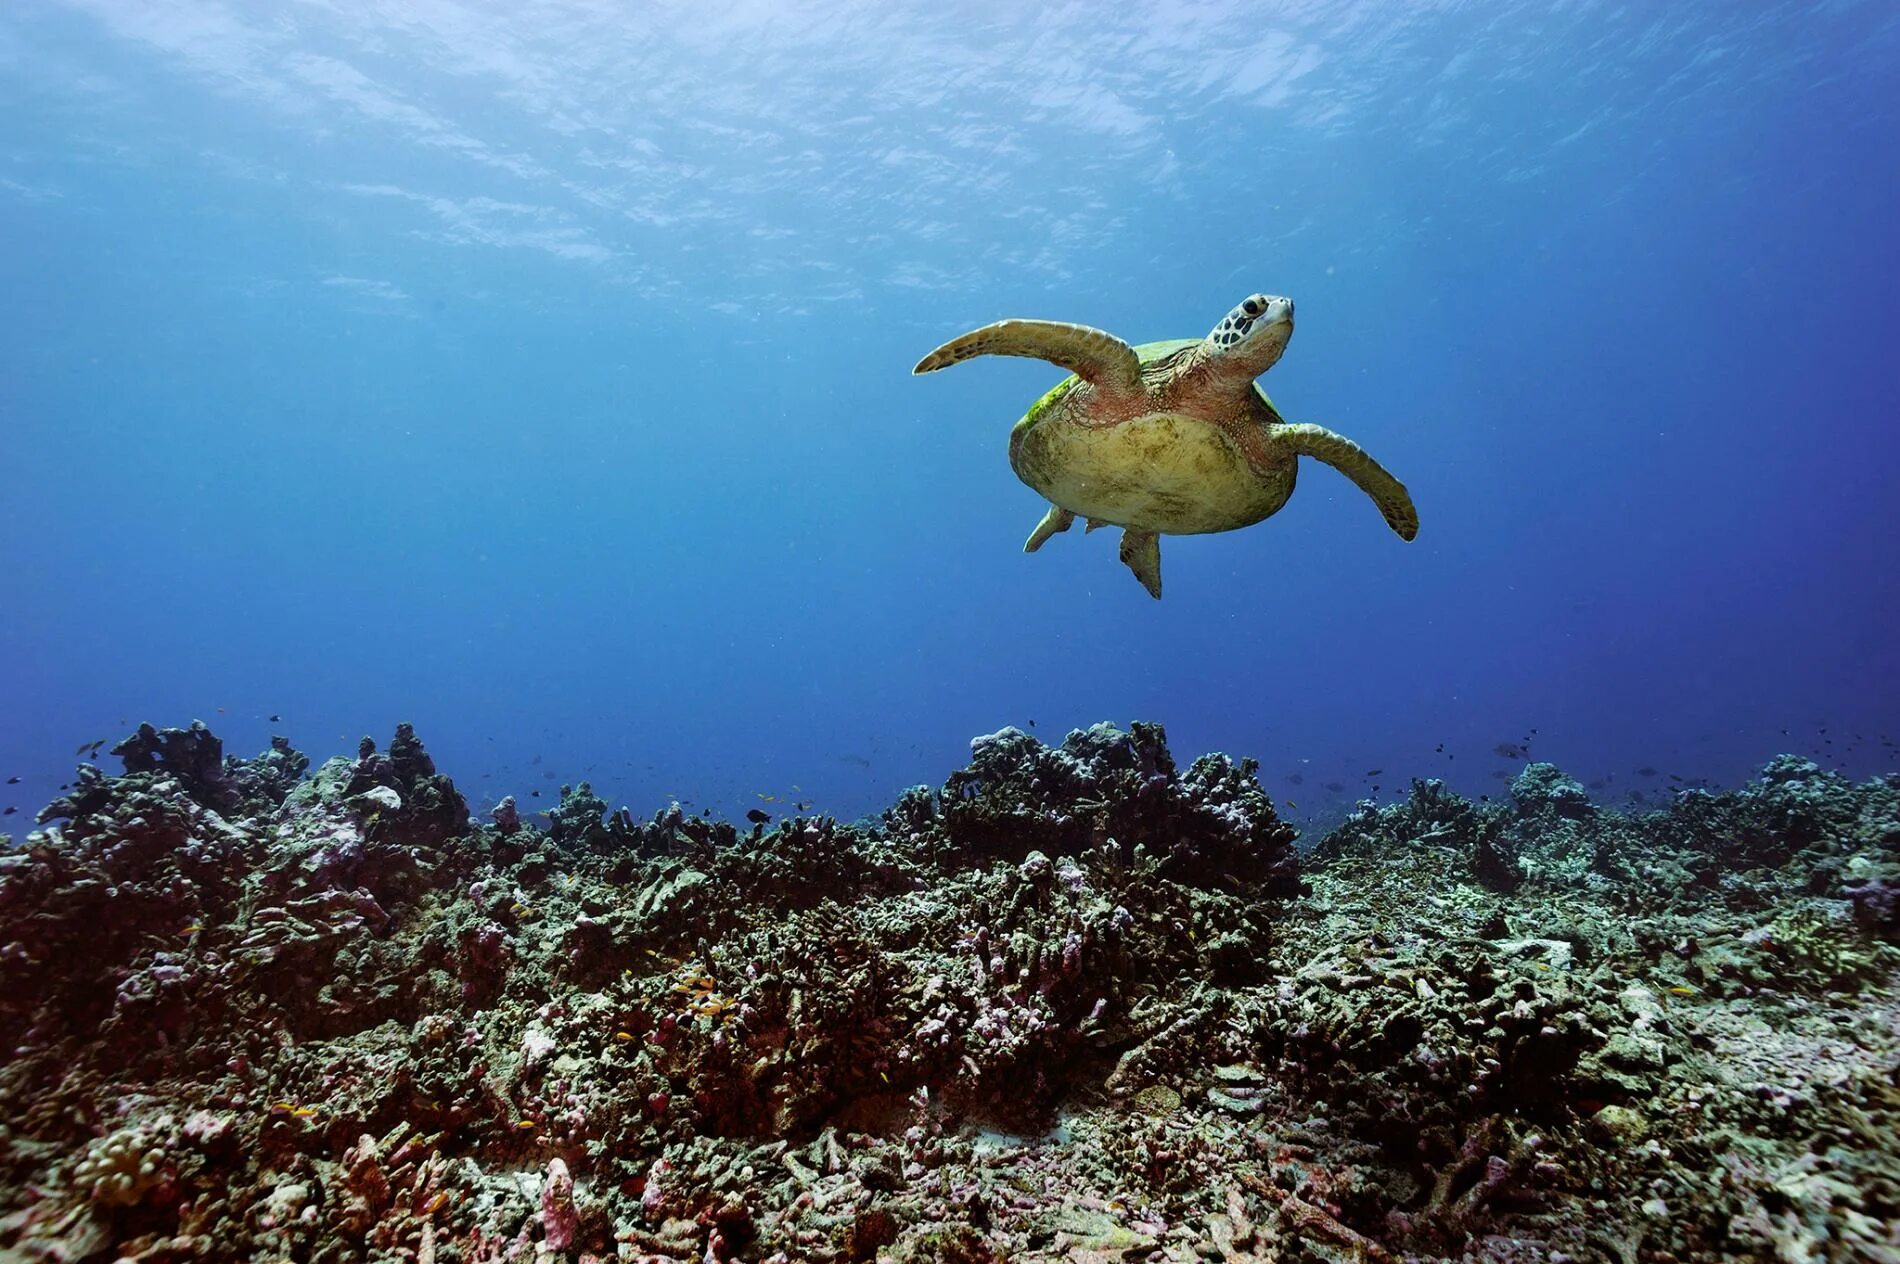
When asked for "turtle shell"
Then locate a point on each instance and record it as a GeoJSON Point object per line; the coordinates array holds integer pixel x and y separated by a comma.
{"type": "Point", "coordinates": [1168, 472]}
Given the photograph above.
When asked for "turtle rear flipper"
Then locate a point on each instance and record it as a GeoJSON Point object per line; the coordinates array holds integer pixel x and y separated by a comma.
{"type": "Point", "coordinates": [1098, 358]}
{"type": "Point", "coordinates": [1057, 519]}
{"type": "Point", "coordinates": [1351, 460]}
{"type": "Point", "coordinates": [1141, 550]}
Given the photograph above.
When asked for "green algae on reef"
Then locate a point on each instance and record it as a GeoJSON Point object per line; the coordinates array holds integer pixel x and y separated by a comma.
{"type": "Point", "coordinates": [1079, 1005]}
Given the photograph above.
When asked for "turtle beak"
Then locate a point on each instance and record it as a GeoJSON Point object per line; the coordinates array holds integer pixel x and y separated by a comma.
{"type": "Point", "coordinates": [1279, 312]}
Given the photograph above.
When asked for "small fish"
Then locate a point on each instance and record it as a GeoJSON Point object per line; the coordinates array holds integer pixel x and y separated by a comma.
{"type": "Point", "coordinates": [276, 719]}
{"type": "Point", "coordinates": [757, 817]}
{"type": "Point", "coordinates": [523, 1125]}
{"type": "Point", "coordinates": [192, 929]}
{"type": "Point", "coordinates": [220, 710]}
{"type": "Point", "coordinates": [1645, 771]}
{"type": "Point", "coordinates": [83, 748]}
{"type": "Point", "coordinates": [13, 781]}
{"type": "Point", "coordinates": [1334, 786]}
{"type": "Point", "coordinates": [1032, 724]}
{"type": "Point", "coordinates": [301, 1112]}
{"type": "Point", "coordinates": [623, 1036]}
{"type": "Point", "coordinates": [1290, 803]}
{"type": "Point", "coordinates": [9, 812]}
{"type": "Point", "coordinates": [1373, 772]}
{"type": "Point", "coordinates": [1510, 750]}
{"type": "Point", "coordinates": [1683, 991]}
{"type": "Point", "coordinates": [765, 798]}
{"type": "Point", "coordinates": [803, 805]}
{"type": "Point", "coordinates": [534, 794]}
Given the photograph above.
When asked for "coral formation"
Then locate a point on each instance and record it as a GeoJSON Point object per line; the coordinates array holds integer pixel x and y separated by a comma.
{"type": "Point", "coordinates": [1077, 1005]}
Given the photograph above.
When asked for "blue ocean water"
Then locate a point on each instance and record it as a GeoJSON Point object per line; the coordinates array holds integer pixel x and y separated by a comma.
{"type": "Point", "coordinates": [540, 374]}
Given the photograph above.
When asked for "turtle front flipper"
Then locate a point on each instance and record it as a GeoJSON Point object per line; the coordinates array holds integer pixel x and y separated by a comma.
{"type": "Point", "coordinates": [1057, 519]}
{"type": "Point", "coordinates": [1100, 359]}
{"type": "Point", "coordinates": [1141, 550]}
{"type": "Point", "coordinates": [1351, 460]}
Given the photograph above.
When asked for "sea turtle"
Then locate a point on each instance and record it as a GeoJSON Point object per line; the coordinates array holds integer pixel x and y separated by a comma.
{"type": "Point", "coordinates": [1168, 438]}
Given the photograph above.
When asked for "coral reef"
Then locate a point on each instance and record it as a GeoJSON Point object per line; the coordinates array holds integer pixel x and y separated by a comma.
{"type": "Point", "coordinates": [1076, 1005]}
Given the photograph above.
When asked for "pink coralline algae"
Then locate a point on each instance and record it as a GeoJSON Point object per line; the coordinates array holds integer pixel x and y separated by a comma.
{"type": "Point", "coordinates": [560, 1222]}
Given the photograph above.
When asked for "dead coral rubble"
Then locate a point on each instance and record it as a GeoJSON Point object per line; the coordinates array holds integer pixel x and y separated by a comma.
{"type": "Point", "coordinates": [1078, 1005]}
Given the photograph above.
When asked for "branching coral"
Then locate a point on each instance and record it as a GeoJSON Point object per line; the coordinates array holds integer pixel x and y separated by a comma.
{"type": "Point", "coordinates": [121, 1169]}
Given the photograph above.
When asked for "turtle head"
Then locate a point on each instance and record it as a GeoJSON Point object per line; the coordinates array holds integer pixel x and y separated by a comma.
{"type": "Point", "coordinates": [1254, 335]}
